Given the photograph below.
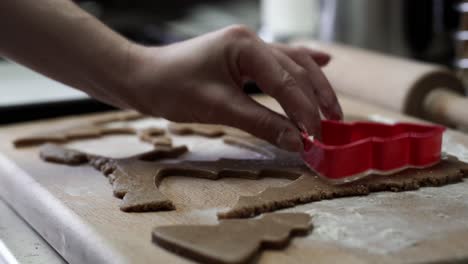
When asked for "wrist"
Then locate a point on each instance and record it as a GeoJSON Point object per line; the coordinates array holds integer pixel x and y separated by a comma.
{"type": "Point", "coordinates": [138, 79]}
{"type": "Point", "coordinates": [119, 79]}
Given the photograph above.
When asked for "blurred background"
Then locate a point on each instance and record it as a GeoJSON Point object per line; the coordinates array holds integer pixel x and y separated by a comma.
{"type": "Point", "coordinates": [426, 30]}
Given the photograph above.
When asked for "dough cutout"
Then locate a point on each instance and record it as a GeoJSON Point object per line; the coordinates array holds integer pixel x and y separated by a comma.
{"type": "Point", "coordinates": [232, 241]}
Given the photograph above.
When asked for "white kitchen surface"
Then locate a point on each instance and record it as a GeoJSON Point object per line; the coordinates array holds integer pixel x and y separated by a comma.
{"type": "Point", "coordinates": [20, 85]}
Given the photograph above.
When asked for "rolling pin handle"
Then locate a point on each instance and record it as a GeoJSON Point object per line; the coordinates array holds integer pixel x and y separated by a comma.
{"type": "Point", "coordinates": [447, 106]}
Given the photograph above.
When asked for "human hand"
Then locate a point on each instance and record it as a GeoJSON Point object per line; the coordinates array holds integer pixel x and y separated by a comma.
{"type": "Point", "coordinates": [201, 80]}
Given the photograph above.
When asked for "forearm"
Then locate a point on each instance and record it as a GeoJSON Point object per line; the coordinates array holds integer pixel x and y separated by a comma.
{"type": "Point", "coordinates": [198, 80]}
{"type": "Point", "coordinates": [58, 39]}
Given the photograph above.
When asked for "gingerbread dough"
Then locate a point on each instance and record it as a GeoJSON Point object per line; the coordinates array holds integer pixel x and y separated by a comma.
{"type": "Point", "coordinates": [75, 132]}
{"type": "Point", "coordinates": [136, 186]}
{"type": "Point", "coordinates": [232, 241]}
{"type": "Point", "coordinates": [214, 131]}
{"type": "Point", "coordinates": [119, 116]}
{"type": "Point", "coordinates": [205, 130]}
{"type": "Point", "coordinates": [54, 153]}
{"type": "Point", "coordinates": [155, 136]}
{"type": "Point", "coordinates": [88, 129]}
{"type": "Point", "coordinates": [253, 144]}
{"type": "Point", "coordinates": [309, 188]}
{"type": "Point", "coordinates": [136, 180]}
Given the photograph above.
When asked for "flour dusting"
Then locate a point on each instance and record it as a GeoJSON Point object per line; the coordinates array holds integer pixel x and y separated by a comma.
{"type": "Point", "coordinates": [452, 147]}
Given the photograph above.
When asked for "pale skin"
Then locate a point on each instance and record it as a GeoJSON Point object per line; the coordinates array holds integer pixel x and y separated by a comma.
{"type": "Point", "coordinates": [198, 80]}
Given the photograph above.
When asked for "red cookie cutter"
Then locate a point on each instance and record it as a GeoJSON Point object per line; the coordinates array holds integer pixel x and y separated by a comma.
{"type": "Point", "coordinates": [351, 151]}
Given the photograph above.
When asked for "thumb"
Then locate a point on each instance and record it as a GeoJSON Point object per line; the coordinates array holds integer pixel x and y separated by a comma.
{"type": "Point", "coordinates": [246, 114]}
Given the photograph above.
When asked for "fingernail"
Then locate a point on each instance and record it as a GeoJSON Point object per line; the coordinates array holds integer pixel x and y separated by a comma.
{"type": "Point", "coordinates": [324, 61]}
{"type": "Point", "coordinates": [290, 141]}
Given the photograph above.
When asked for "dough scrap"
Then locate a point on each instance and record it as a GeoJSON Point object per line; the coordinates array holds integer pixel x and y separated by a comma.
{"type": "Point", "coordinates": [151, 132]}
{"type": "Point", "coordinates": [56, 154]}
{"type": "Point", "coordinates": [155, 136]}
{"type": "Point", "coordinates": [205, 130]}
{"type": "Point", "coordinates": [118, 116]}
{"type": "Point", "coordinates": [161, 141]}
{"type": "Point", "coordinates": [84, 129]}
{"type": "Point", "coordinates": [232, 241]}
{"type": "Point", "coordinates": [81, 131]}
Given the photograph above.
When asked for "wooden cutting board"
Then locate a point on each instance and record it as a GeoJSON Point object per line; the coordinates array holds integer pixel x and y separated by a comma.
{"type": "Point", "coordinates": [74, 210]}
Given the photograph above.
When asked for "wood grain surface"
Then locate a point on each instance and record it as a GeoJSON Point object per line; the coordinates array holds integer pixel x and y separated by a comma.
{"type": "Point", "coordinates": [74, 210]}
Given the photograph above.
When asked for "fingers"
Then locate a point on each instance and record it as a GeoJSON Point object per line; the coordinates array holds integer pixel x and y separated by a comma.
{"type": "Point", "coordinates": [328, 101]}
{"type": "Point", "coordinates": [255, 59]}
{"type": "Point", "coordinates": [319, 57]}
{"type": "Point", "coordinates": [244, 113]}
{"type": "Point", "coordinates": [320, 86]}
{"type": "Point", "coordinates": [305, 84]}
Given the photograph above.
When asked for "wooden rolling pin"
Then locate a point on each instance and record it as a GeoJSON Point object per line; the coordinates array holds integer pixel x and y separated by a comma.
{"type": "Point", "coordinates": [419, 89]}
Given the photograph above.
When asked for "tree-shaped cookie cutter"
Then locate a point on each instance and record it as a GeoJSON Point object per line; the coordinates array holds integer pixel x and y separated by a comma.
{"type": "Point", "coordinates": [351, 151]}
